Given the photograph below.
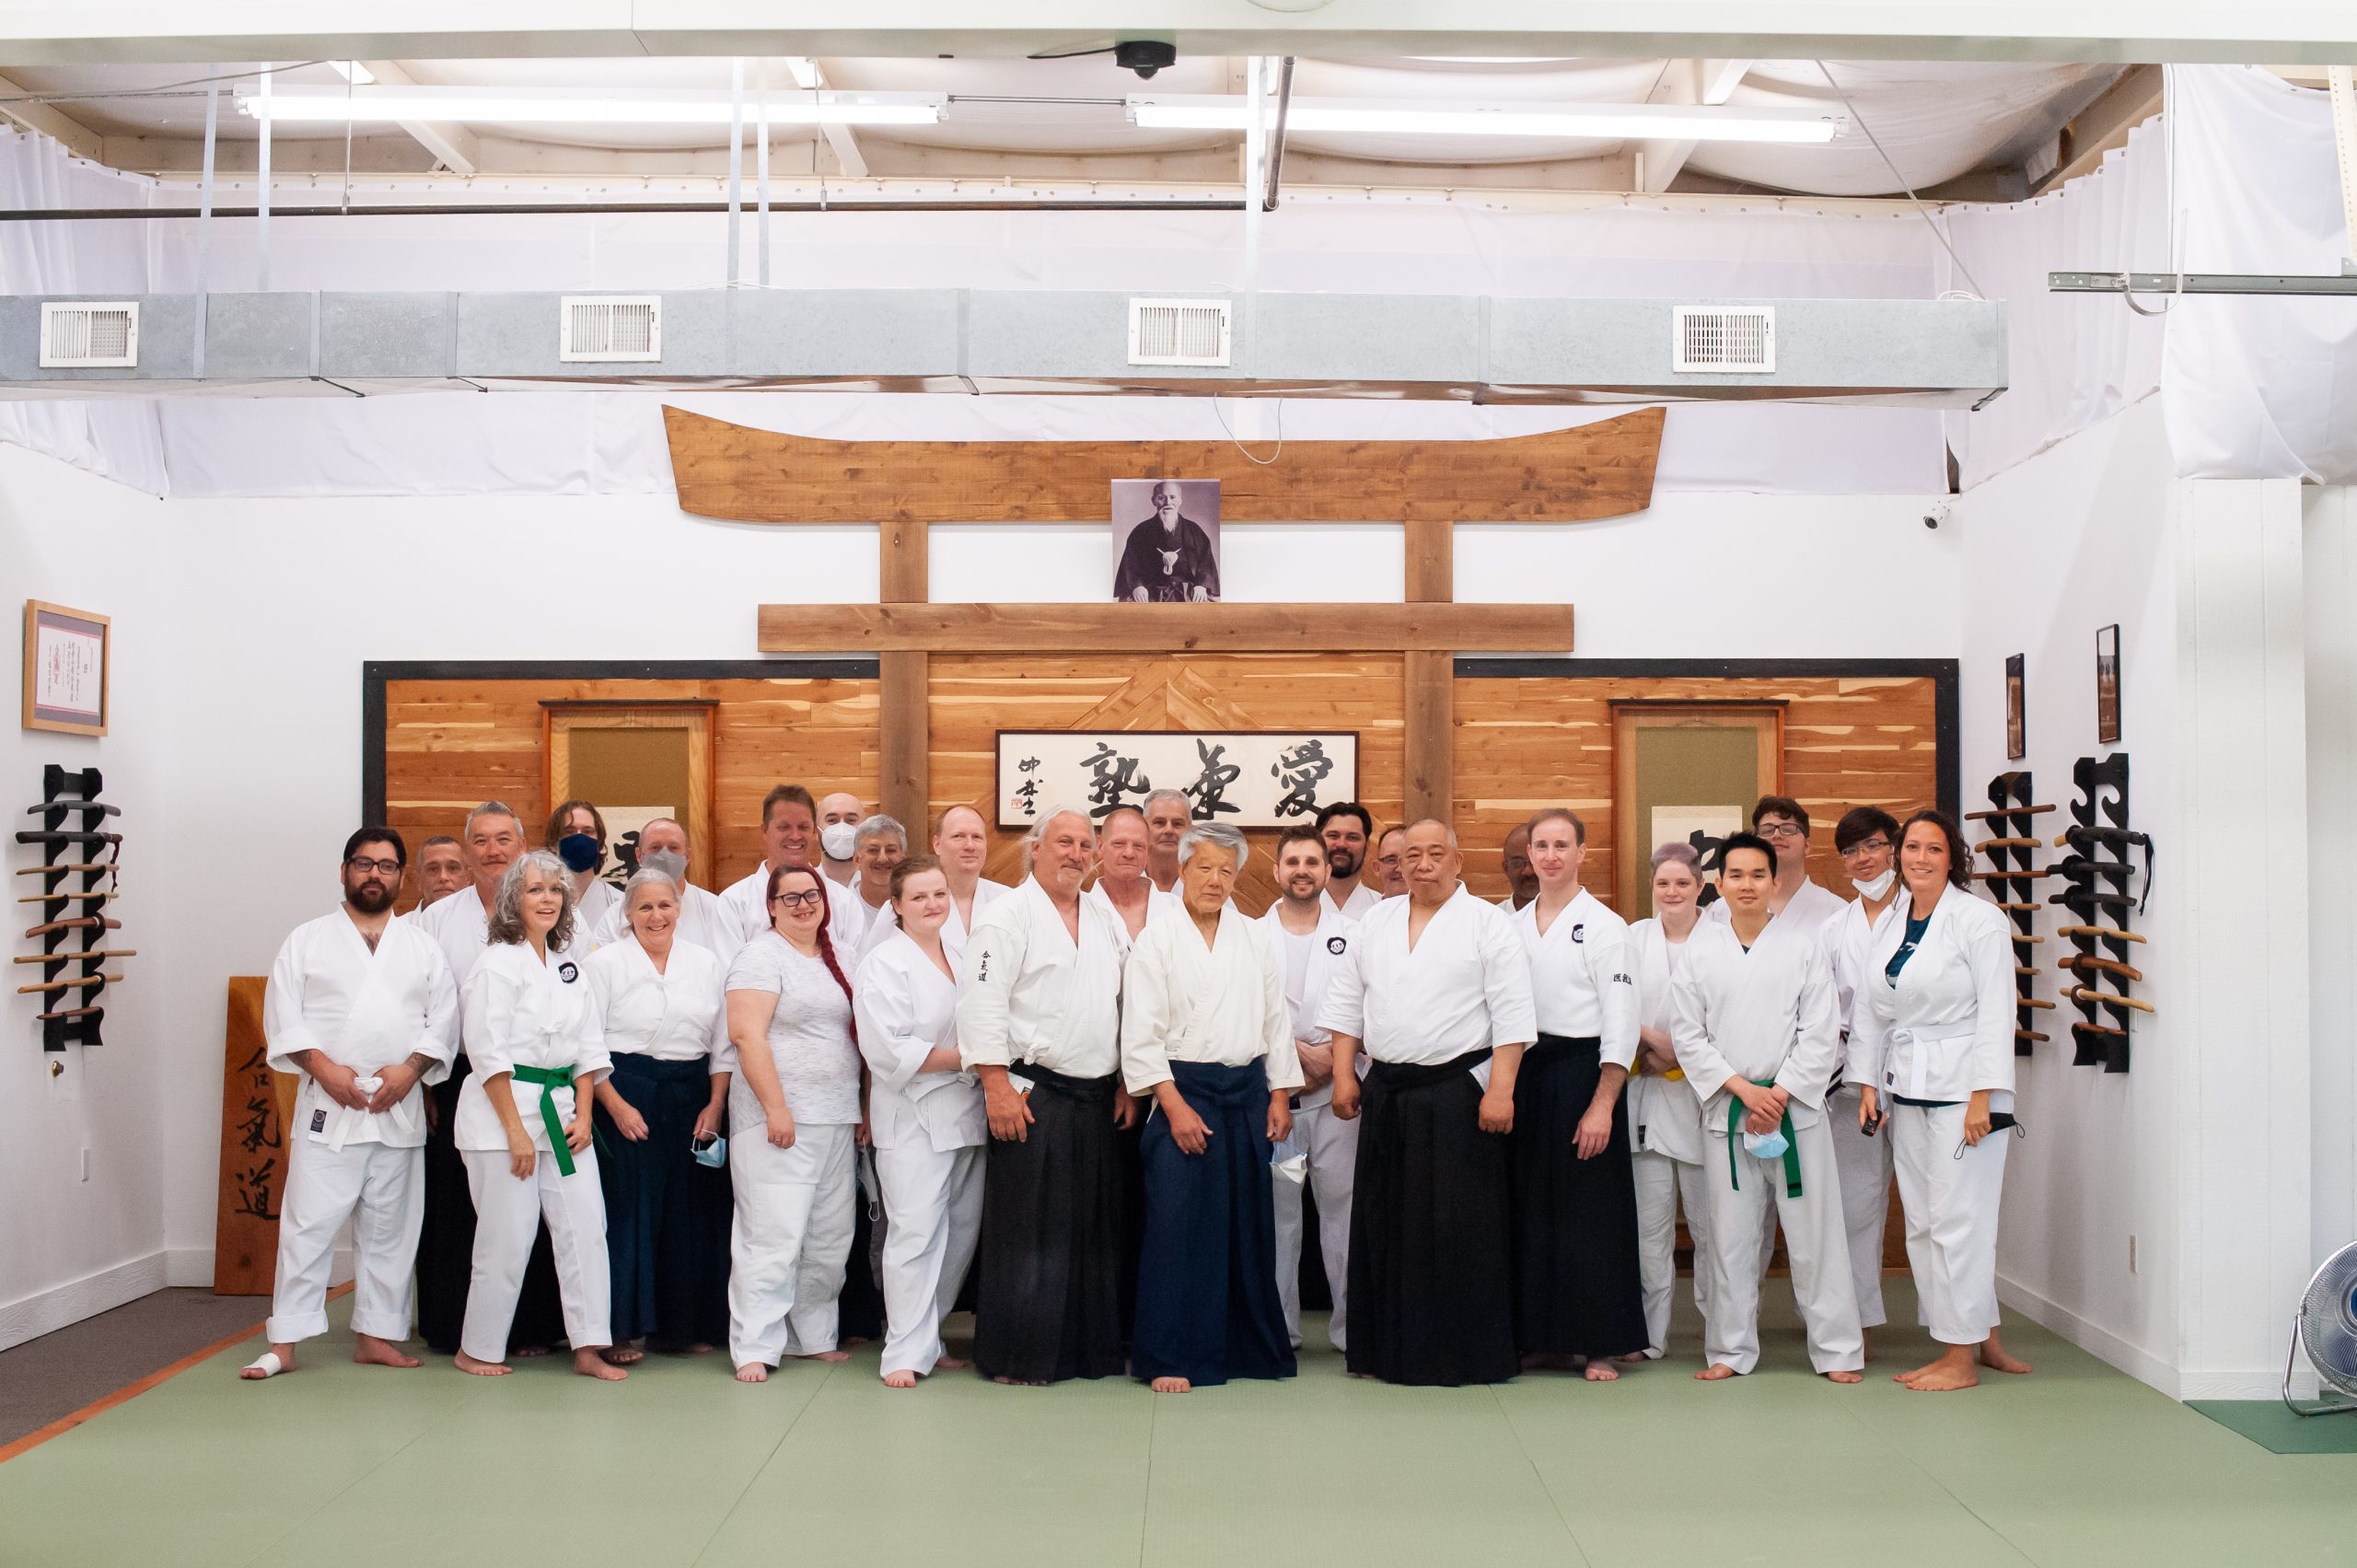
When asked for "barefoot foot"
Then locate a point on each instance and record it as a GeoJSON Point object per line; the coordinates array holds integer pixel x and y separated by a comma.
{"type": "Point", "coordinates": [950, 1364]}
{"type": "Point", "coordinates": [1714, 1372]}
{"type": "Point", "coordinates": [752, 1371]}
{"type": "Point", "coordinates": [622, 1356]}
{"type": "Point", "coordinates": [1845, 1376]}
{"type": "Point", "coordinates": [370, 1350]}
{"type": "Point", "coordinates": [592, 1362]}
{"type": "Point", "coordinates": [1601, 1371]}
{"type": "Point", "coordinates": [1173, 1386]}
{"type": "Point", "coordinates": [826, 1355]}
{"type": "Point", "coordinates": [899, 1379]}
{"type": "Point", "coordinates": [1996, 1357]}
{"type": "Point", "coordinates": [263, 1367]}
{"type": "Point", "coordinates": [481, 1368]}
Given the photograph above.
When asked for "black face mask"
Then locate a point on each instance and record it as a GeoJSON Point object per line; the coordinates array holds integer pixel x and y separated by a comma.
{"type": "Point", "coordinates": [580, 851]}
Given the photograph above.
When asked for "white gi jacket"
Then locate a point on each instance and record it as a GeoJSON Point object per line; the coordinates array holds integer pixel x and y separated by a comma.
{"type": "Point", "coordinates": [1223, 1003]}
{"type": "Point", "coordinates": [905, 1008]}
{"type": "Point", "coordinates": [1946, 1030]}
{"type": "Point", "coordinates": [1664, 1114]}
{"type": "Point", "coordinates": [1027, 993]}
{"type": "Point", "coordinates": [1846, 941]}
{"type": "Point", "coordinates": [1465, 987]}
{"type": "Point", "coordinates": [676, 1015]}
{"type": "Point", "coordinates": [953, 930]}
{"type": "Point", "coordinates": [1330, 951]}
{"type": "Point", "coordinates": [327, 992]}
{"type": "Point", "coordinates": [1581, 977]}
{"type": "Point", "coordinates": [1157, 904]}
{"type": "Point", "coordinates": [1766, 1015]}
{"type": "Point", "coordinates": [520, 1012]}
{"type": "Point", "coordinates": [1363, 899]}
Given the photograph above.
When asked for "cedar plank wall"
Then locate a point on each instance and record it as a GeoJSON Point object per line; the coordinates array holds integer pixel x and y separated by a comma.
{"type": "Point", "coordinates": [1521, 743]}
{"type": "Point", "coordinates": [451, 744]}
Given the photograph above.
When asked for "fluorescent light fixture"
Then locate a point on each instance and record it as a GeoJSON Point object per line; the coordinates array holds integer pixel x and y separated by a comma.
{"type": "Point", "coordinates": [1602, 122]}
{"type": "Point", "coordinates": [353, 71]}
{"type": "Point", "coordinates": [507, 107]}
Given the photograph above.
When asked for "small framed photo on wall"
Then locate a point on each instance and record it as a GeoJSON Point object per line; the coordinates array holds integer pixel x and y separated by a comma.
{"type": "Point", "coordinates": [65, 669]}
{"type": "Point", "coordinates": [2108, 685]}
{"type": "Point", "coordinates": [2016, 725]}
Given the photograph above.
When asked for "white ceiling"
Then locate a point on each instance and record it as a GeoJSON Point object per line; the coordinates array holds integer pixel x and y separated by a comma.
{"type": "Point", "coordinates": [1936, 120]}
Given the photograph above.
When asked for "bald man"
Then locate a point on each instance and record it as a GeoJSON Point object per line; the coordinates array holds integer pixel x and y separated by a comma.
{"type": "Point", "coordinates": [839, 815]}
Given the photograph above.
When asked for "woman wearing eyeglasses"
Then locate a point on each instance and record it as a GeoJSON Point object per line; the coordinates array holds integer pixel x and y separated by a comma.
{"type": "Point", "coordinates": [1932, 1032]}
{"type": "Point", "coordinates": [795, 1106]}
{"type": "Point", "coordinates": [662, 1003]}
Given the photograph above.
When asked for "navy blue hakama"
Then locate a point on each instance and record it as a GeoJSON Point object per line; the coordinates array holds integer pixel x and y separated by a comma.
{"type": "Point", "coordinates": [667, 1217]}
{"type": "Point", "coordinates": [1207, 1272]}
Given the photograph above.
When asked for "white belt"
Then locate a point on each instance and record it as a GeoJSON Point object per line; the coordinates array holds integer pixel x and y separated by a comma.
{"type": "Point", "coordinates": [347, 1121]}
{"type": "Point", "coordinates": [1918, 1060]}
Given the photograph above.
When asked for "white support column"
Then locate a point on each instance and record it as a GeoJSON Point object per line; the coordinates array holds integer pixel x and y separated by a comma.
{"type": "Point", "coordinates": [2237, 954]}
{"type": "Point", "coordinates": [2329, 575]}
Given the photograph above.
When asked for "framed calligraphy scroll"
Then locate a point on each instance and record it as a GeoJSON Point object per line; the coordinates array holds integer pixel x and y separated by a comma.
{"type": "Point", "coordinates": [1242, 778]}
{"type": "Point", "coordinates": [256, 1107]}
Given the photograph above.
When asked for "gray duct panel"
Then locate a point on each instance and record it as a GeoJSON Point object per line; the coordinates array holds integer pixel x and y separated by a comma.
{"type": "Point", "coordinates": [516, 334]}
{"type": "Point", "coordinates": [1070, 335]}
{"type": "Point", "coordinates": [253, 337]}
{"type": "Point", "coordinates": [1820, 344]}
{"type": "Point", "coordinates": [1369, 338]}
{"type": "Point", "coordinates": [831, 334]}
{"type": "Point", "coordinates": [363, 336]}
{"type": "Point", "coordinates": [167, 339]}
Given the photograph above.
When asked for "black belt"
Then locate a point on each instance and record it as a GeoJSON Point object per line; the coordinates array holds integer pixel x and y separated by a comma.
{"type": "Point", "coordinates": [1422, 1075]}
{"type": "Point", "coordinates": [1065, 1083]}
{"type": "Point", "coordinates": [1590, 1043]}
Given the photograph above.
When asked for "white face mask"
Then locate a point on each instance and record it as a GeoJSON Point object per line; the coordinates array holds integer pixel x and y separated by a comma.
{"type": "Point", "coordinates": [1873, 887]}
{"type": "Point", "coordinates": [836, 839]}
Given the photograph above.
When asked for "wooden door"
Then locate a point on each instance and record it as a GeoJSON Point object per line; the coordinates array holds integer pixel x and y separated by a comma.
{"type": "Point", "coordinates": [1683, 769]}
{"type": "Point", "coordinates": [637, 761]}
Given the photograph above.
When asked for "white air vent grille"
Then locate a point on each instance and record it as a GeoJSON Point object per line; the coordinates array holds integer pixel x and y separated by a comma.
{"type": "Point", "coordinates": [1178, 331]}
{"type": "Point", "coordinates": [1724, 338]}
{"type": "Point", "coordinates": [611, 328]}
{"type": "Point", "coordinates": [90, 335]}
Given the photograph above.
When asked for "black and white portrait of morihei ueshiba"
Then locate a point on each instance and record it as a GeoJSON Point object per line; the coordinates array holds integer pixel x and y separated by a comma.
{"type": "Point", "coordinates": [1171, 556]}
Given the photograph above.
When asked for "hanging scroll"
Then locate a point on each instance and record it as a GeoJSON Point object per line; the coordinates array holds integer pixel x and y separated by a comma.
{"type": "Point", "coordinates": [1242, 778]}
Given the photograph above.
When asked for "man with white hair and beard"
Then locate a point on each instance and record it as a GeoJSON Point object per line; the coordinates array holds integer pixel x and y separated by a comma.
{"type": "Point", "coordinates": [1039, 1022]}
{"type": "Point", "coordinates": [1169, 558]}
{"type": "Point", "coordinates": [362, 1006]}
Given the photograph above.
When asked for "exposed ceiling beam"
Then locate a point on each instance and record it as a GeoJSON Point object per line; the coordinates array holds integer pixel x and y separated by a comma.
{"type": "Point", "coordinates": [1683, 82]}
{"type": "Point", "coordinates": [2105, 123]}
{"type": "Point", "coordinates": [44, 120]}
{"type": "Point", "coordinates": [809, 76]}
{"type": "Point", "coordinates": [2300, 32]}
{"type": "Point", "coordinates": [454, 147]}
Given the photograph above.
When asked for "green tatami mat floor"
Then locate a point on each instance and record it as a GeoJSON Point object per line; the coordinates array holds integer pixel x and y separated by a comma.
{"type": "Point", "coordinates": [2272, 1426]}
{"type": "Point", "coordinates": [2075, 1464]}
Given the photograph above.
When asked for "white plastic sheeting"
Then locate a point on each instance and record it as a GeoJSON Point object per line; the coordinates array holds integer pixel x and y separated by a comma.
{"type": "Point", "coordinates": [2259, 388]}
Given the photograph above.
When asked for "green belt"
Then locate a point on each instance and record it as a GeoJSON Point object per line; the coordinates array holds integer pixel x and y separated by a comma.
{"type": "Point", "coordinates": [1736, 1112]}
{"type": "Point", "coordinates": [550, 1079]}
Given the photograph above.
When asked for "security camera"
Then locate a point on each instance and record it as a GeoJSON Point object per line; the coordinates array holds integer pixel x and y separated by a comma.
{"type": "Point", "coordinates": [1931, 519]}
{"type": "Point", "coordinates": [1146, 56]}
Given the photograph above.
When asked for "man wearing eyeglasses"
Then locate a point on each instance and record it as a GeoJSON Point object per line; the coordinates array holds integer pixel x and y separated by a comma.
{"type": "Point", "coordinates": [1783, 822]}
{"type": "Point", "coordinates": [1867, 839]}
{"type": "Point", "coordinates": [363, 1007]}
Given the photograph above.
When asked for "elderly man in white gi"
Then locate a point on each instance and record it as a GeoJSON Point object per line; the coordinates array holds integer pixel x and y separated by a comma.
{"type": "Point", "coordinates": [362, 1006]}
{"type": "Point", "coordinates": [1039, 1021]}
{"type": "Point", "coordinates": [1311, 939]}
{"type": "Point", "coordinates": [1205, 1032]}
{"type": "Point", "coordinates": [1439, 993]}
{"type": "Point", "coordinates": [1754, 1035]}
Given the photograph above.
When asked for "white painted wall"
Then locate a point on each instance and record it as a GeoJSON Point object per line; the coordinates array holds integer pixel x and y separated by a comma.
{"type": "Point", "coordinates": [244, 625]}
{"type": "Point", "coordinates": [2330, 555]}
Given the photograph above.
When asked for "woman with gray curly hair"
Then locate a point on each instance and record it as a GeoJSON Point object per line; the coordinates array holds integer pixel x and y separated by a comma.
{"type": "Point", "coordinates": [530, 1022]}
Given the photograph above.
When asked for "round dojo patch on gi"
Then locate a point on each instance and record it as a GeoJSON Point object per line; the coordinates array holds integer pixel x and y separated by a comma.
{"type": "Point", "coordinates": [567, 972]}
{"type": "Point", "coordinates": [1336, 944]}
{"type": "Point", "coordinates": [1579, 932]}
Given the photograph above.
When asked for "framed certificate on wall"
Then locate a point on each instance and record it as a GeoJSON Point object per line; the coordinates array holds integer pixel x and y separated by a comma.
{"type": "Point", "coordinates": [65, 669]}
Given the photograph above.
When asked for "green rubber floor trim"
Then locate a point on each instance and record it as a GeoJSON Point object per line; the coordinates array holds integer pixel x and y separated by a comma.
{"type": "Point", "coordinates": [2075, 1465]}
{"type": "Point", "coordinates": [2277, 1430]}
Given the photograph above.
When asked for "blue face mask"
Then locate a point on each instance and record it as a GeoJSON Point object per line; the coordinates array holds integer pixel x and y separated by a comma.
{"type": "Point", "coordinates": [580, 851]}
{"type": "Point", "coordinates": [1769, 1146]}
{"type": "Point", "coordinates": [711, 1151]}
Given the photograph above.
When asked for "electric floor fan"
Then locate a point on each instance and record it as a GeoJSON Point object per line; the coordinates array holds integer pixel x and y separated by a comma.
{"type": "Point", "coordinates": [2326, 1329]}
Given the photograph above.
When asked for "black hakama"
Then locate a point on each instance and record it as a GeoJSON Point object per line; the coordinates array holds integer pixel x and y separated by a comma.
{"type": "Point", "coordinates": [859, 1305]}
{"type": "Point", "coordinates": [446, 1245]}
{"type": "Point", "coordinates": [1207, 1275]}
{"type": "Point", "coordinates": [1048, 1305]}
{"type": "Point", "coordinates": [1577, 1288]}
{"type": "Point", "coordinates": [1432, 1297]}
{"type": "Point", "coordinates": [667, 1217]}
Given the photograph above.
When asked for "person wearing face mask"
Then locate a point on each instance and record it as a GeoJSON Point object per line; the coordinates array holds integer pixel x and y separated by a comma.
{"type": "Point", "coordinates": [1123, 890]}
{"type": "Point", "coordinates": [660, 1001]}
{"type": "Point", "coordinates": [703, 918]}
{"type": "Point", "coordinates": [928, 1125]}
{"type": "Point", "coordinates": [576, 834]}
{"type": "Point", "coordinates": [1932, 1043]}
{"type": "Point", "coordinates": [1867, 839]}
{"type": "Point", "coordinates": [1753, 1024]}
{"type": "Point", "coordinates": [363, 1007]}
{"type": "Point", "coordinates": [1665, 1119]}
{"type": "Point", "coordinates": [789, 837]}
{"type": "Point", "coordinates": [1039, 1022]}
{"type": "Point", "coordinates": [1579, 1292]}
{"type": "Point", "coordinates": [839, 815]}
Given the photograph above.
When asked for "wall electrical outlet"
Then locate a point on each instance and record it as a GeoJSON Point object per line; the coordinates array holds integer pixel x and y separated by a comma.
{"type": "Point", "coordinates": [86, 1165]}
